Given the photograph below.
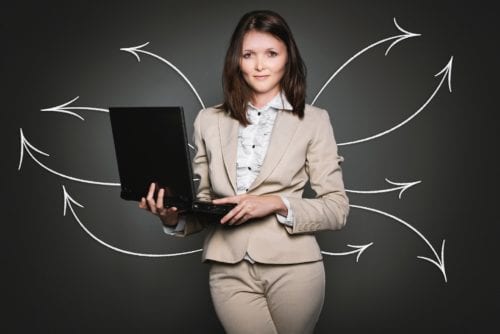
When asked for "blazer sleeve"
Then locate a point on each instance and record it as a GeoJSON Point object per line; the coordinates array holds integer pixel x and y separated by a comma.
{"type": "Point", "coordinates": [329, 210]}
{"type": "Point", "coordinates": [196, 222]}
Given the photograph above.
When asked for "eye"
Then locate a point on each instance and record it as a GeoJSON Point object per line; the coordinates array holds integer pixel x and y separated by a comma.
{"type": "Point", "coordinates": [246, 55]}
{"type": "Point", "coordinates": [272, 53]}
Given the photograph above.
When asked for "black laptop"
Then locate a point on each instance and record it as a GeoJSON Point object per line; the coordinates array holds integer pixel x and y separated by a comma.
{"type": "Point", "coordinates": [151, 145]}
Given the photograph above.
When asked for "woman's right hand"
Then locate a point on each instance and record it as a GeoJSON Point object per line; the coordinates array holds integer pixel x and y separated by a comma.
{"type": "Point", "coordinates": [168, 216]}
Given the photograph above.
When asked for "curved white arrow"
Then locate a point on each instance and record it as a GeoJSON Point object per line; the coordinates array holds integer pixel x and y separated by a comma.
{"type": "Point", "coordinates": [438, 262]}
{"type": "Point", "coordinates": [135, 49]}
{"type": "Point", "coordinates": [397, 38]}
{"type": "Point", "coordinates": [68, 201]}
{"type": "Point", "coordinates": [446, 72]}
{"type": "Point", "coordinates": [403, 186]}
{"type": "Point", "coordinates": [358, 249]}
{"type": "Point", "coordinates": [27, 146]}
{"type": "Point", "coordinates": [63, 108]}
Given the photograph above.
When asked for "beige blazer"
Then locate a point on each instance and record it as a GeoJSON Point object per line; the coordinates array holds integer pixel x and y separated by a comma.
{"type": "Point", "coordinates": [299, 149]}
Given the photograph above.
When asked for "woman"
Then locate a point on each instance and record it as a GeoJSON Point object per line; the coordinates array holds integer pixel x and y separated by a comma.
{"type": "Point", "coordinates": [258, 150]}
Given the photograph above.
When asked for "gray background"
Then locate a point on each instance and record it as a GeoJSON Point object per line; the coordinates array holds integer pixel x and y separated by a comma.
{"type": "Point", "coordinates": [58, 279]}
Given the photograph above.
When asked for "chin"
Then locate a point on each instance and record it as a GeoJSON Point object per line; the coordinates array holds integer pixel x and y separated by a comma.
{"type": "Point", "coordinates": [261, 89]}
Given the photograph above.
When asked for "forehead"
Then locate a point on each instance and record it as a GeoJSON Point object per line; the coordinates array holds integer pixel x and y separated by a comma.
{"type": "Point", "coordinates": [254, 39]}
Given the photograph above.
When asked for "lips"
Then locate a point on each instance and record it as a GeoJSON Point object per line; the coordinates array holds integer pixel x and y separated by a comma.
{"type": "Point", "coordinates": [261, 77]}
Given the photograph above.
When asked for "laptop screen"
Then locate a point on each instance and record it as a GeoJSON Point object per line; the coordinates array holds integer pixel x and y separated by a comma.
{"type": "Point", "coordinates": [151, 146]}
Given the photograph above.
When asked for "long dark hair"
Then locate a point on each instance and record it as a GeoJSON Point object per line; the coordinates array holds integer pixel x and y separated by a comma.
{"type": "Point", "coordinates": [237, 93]}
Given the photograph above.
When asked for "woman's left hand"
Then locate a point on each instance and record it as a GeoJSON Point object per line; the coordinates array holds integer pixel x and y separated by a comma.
{"type": "Point", "coordinates": [251, 206]}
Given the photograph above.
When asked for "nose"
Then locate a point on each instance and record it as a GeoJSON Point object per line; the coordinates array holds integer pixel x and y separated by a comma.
{"type": "Point", "coordinates": [259, 63]}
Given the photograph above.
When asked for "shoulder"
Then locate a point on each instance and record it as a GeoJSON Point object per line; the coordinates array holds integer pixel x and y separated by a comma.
{"type": "Point", "coordinates": [207, 120]}
{"type": "Point", "coordinates": [317, 121]}
{"type": "Point", "coordinates": [211, 112]}
{"type": "Point", "coordinates": [315, 114]}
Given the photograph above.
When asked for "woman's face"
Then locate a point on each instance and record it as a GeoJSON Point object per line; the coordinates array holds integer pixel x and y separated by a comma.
{"type": "Point", "coordinates": [262, 63]}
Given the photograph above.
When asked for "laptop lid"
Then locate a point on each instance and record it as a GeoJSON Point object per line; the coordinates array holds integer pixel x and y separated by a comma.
{"type": "Point", "coordinates": [151, 145]}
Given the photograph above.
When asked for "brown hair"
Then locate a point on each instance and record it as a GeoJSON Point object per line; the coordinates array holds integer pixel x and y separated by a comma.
{"type": "Point", "coordinates": [237, 93]}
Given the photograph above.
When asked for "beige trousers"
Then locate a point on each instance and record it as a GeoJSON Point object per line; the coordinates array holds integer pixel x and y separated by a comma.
{"type": "Point", "coordinates": [267, 298]}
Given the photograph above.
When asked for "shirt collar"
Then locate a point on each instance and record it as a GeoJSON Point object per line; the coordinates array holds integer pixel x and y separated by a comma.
{"type": "Point", "coordinates": [278, 102]}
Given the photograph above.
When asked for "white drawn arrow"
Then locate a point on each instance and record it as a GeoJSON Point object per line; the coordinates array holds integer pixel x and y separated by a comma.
{"type": "Point", "coordinates": [27, 146]}
{"type": "Point", "coordinates": [135, 49]}
{"type": "Point", "coordinates": [438, 262]}
{"type": "Point", "coordinates": [397, 38]}
{"type": "Point", "coordinates": [63, 108]}
{"type": "Point", "coordinates": [68, 201]}
{"type": "Point", "coordinates": [446, 72]}
{"type": "Point", "coordinates": [358, 249]}
{"type": "Point", "coordinates": [403, 186]}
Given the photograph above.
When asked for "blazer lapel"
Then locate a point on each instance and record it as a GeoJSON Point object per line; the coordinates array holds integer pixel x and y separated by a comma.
{"type": "Point", "coordinates": [228, 131]}
{"type": "Point", "coordinates": [284, 129]}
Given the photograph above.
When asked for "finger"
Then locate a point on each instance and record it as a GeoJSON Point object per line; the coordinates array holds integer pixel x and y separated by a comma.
{"type": "Point", "coordinates": [243, 220]}
{"type": "Point", "coordinates": [159, 199]}
{"type": "Point", "coordinates": [166, 212]}
{"type": "Point", "coordinates": [230, 215]}
{"type": "Point", "coordinates": [142, 203]}
{"type": "Point", "coordinates": [151, 191]}
{"type": "Point", "coordinates": [172, 209]}
{"type": "Point", "coordinates": [152, 205]}
{"type": "Point", "coordinates": [226, 200]}
{"type": "Point", "coordinates": [237, 217]}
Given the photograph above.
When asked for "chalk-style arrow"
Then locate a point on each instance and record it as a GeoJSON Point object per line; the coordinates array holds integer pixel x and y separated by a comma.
{"type": "Point", "coordinates": [403, 186]}
{"type": "Point", "coordinates": [138, 49]}
{"type": "Point", "coordinates": [438, 261]}
{"type": "Point", "coordinates": [357, 249]}
{"type": "Point", "coordinates": [446, 72]}
{"type": "Point", "coordinates": [397, 39]}
{"type": "Point", "coordinates": [27, 146]}
{"type": "Point", "coordinates": [68, 201]}
{"type": "Point", "coordinates": [63, 108]}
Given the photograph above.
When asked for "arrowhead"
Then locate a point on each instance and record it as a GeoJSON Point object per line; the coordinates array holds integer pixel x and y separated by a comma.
{"type": "Point", "coordinates": [26, 145]}
{"type": "Point", "coordinates": [439, 263]}
{"type": "Point", "coordinates": [134, 49]}
{"type": "Point", "coordinates": [406, 34]}
{"type": "Point", "coordinates": [68, 200]}
{"type": "Point", "coordinates": [61, 109]}
{"type": "Point", "coordinates": [404, 185]}
{"type": "Point", "coordinates": [361, 249]}
{"type": "Point", "coordinates": [446, 71]}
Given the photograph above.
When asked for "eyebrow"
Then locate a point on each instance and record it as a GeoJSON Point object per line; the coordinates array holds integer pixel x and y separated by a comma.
{"type": "Point", "coordinates": [268, 49]}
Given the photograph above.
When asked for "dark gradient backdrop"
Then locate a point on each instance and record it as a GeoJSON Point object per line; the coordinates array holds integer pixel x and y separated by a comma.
{"type": "Point", "coordinates": [59, 280]}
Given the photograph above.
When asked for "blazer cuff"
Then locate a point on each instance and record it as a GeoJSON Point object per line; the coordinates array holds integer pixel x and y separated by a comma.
{"type": "Point", "coordinates": [177, 229]}
{"type": "Point", "coordinates": [288, 220]}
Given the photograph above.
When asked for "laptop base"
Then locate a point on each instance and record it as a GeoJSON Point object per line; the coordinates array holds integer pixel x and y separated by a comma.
{"type": "Point", "coordinates": [198, 206]}
{"type": "Point", "coordinates": [210, 208]}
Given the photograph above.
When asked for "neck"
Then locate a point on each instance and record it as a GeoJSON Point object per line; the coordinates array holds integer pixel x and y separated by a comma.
{"type": "Point", "coordinates": [260, 100]}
